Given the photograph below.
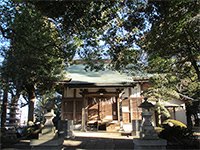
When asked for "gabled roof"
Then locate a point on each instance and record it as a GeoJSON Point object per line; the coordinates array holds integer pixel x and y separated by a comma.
{"type": "Point", "coordinates": [107, 78]}
{"type": "Point", "coordinates": [186, 98]}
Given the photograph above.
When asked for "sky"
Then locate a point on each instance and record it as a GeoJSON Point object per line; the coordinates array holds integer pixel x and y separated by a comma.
{"type": "Point", "coordinates": [3, 44]}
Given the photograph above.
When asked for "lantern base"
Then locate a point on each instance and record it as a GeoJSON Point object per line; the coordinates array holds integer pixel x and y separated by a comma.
{"type": "Point", "coordinates": [141, 144]}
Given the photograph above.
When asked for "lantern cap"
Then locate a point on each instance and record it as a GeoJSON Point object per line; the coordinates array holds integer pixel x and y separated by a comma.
{"type": "Point", "coordinates": [146, 104]}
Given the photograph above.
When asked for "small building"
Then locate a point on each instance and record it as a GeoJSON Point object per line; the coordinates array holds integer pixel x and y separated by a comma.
{"type": "Point", "coordinates": [176, 109]}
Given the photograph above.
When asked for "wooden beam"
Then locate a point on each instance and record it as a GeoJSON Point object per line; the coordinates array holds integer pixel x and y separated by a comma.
{"type": "Point", "coordinates": [100, 85]}
{"type": "Point", "coordinates": [74, 111]}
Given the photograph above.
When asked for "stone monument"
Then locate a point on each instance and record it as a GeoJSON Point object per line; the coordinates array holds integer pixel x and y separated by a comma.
{"type": "Point", "coordinates": [148, 137]}
{"type": "Point", "coordinates": [49, 138]}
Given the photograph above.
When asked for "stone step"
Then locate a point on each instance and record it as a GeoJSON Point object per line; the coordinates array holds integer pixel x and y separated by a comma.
{"type": "Point", "coordinates": [100, 134]}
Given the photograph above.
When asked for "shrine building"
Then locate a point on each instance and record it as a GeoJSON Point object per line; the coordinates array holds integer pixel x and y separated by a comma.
{"type": "Point", "coordinates": [104, 100]}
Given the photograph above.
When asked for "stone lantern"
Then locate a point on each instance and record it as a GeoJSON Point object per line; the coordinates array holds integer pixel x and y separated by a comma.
{"type": "Point", "coordinates": [148, 131]}
{"type": "Point", "coordinates": [49, 126]}
{"type": "Point", "coordinates": [48, 138]}
{"type": "Point", "coordinates": [148, 136]}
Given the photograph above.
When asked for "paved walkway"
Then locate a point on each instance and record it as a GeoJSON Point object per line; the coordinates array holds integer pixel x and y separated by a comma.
{"type": "Point", "coordinates": [89, 140]}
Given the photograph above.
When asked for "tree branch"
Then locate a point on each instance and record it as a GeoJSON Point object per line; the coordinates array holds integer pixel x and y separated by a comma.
{"type": "Point", "coordinates": [4, 31]}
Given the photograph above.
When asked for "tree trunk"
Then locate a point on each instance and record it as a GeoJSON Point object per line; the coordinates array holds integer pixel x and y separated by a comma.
{"type": "Point", "coordinates": [194, 64]}
{"type": "Point", "coordinates": [4, 106]}
{"type": "Point", "coordinates": [32, 98]}
{"type": "Point", "coordinates": [188, 116]}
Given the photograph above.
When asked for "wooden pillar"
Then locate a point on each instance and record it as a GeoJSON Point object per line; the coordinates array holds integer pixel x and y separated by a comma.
{"type": "Point", "coordinates": [74, 111]}
{"type": "Point", "coordinates": [62, 109]}
{"type": "Point", "coordinates": [120, 111]}
{"type": "Point", "coordinates": [98, 111]}
{"type": "Point", "coordinates": [86, 110]}
{"type": "Point", "coordinates": [74, 106]}
{"type": "Point", "coordinates": [131, 110]}
{"type": "Point", "coordinates": [130, 106]}
{"type": "Point", "coordinates": [83, 122]}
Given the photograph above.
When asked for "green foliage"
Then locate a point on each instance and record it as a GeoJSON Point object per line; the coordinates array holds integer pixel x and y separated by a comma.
{"type": "Point", "coordinates": [174, 37]}
{"type": "Point", "coordinates": [44, 101]}
{"type": "Point", "coordinates": [160, 90]}
{"type": "Point", "coordinates": [177, 134]}
{"type": "Point", "coordinates": [162, 110]}
{"type": "Point", "coordinates": [30, 130]}
{"type": "Point", "coordinates": [102, 28]}
{"type": "Point", "coordinates": [158, 129]}
{"type": "Point", "coordinates": [33, 131]}
{"type": "Point", "coordinates": [175, 123]}
{"type": "Point", "coordinates": [180, 137]}
{"type": "Point", "coordinates": [38, 51]}
{"type": "Point", "coordinates": [38, 55]}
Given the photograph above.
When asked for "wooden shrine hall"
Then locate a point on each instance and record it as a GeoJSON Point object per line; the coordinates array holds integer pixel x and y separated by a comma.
{"type": "Point", "coordinates": [103, 100]}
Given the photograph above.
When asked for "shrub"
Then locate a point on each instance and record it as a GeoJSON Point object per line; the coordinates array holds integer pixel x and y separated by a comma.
{"type": "Point", "coordinates": [175, 123]}
{"type": "Point", "coordinates": [180, 136]}
{"type": "Point", "coordinates": [33, 131]}
{"type": "Point", "coordinates": [158, 129]}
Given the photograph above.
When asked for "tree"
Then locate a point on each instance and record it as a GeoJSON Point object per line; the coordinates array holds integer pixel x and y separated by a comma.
{"type": "Point", "coordinates": [43, 102]}
{"type": "Point", "coordinates": [174, 35]}
{"type": "Point", "coordinates": [159, 92]}
{"type": "Point", "coordinates": [4, 103]}
{"type": "Point", "coordinates": [36, 58]}
{"type": "Point", "coordinates": [168, 86]}
{"type": "Point", "coordinates": [172, 46]}
{"type": "Point", "coordinates": [101, 27]}
{"type": "Point", "coordinates": [119, 24]}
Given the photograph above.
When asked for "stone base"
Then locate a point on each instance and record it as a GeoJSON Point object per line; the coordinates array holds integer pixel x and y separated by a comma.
{"type": "Point", "coordinates": [142, 144]}
{"type": "Point", "coordinates": [54, 144]}
{"type": "Point", "coordinates": [11, 135]}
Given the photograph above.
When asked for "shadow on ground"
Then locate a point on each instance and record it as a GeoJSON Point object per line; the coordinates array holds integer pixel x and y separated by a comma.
{"type": "Point", "coordinates": [98, 143]}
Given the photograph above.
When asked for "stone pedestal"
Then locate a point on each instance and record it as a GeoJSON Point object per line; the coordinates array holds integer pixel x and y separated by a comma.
{"type": "Point", "coordinates": [11, 134]}
{"type": "Point", "coordinates": [136, 125]}
{"type": "Point", "coordinates": [49, 138]}
{"type": "Point", "coordinates": [142, 144]}
{"type": "Point", "coordinates": [66, 128]}
{"type": "Point", "coordinates": [69, 129]}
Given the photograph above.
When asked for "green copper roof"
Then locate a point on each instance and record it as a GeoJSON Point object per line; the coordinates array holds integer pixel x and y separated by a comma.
{"type": "Point", "coordinates": [80, 76]}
